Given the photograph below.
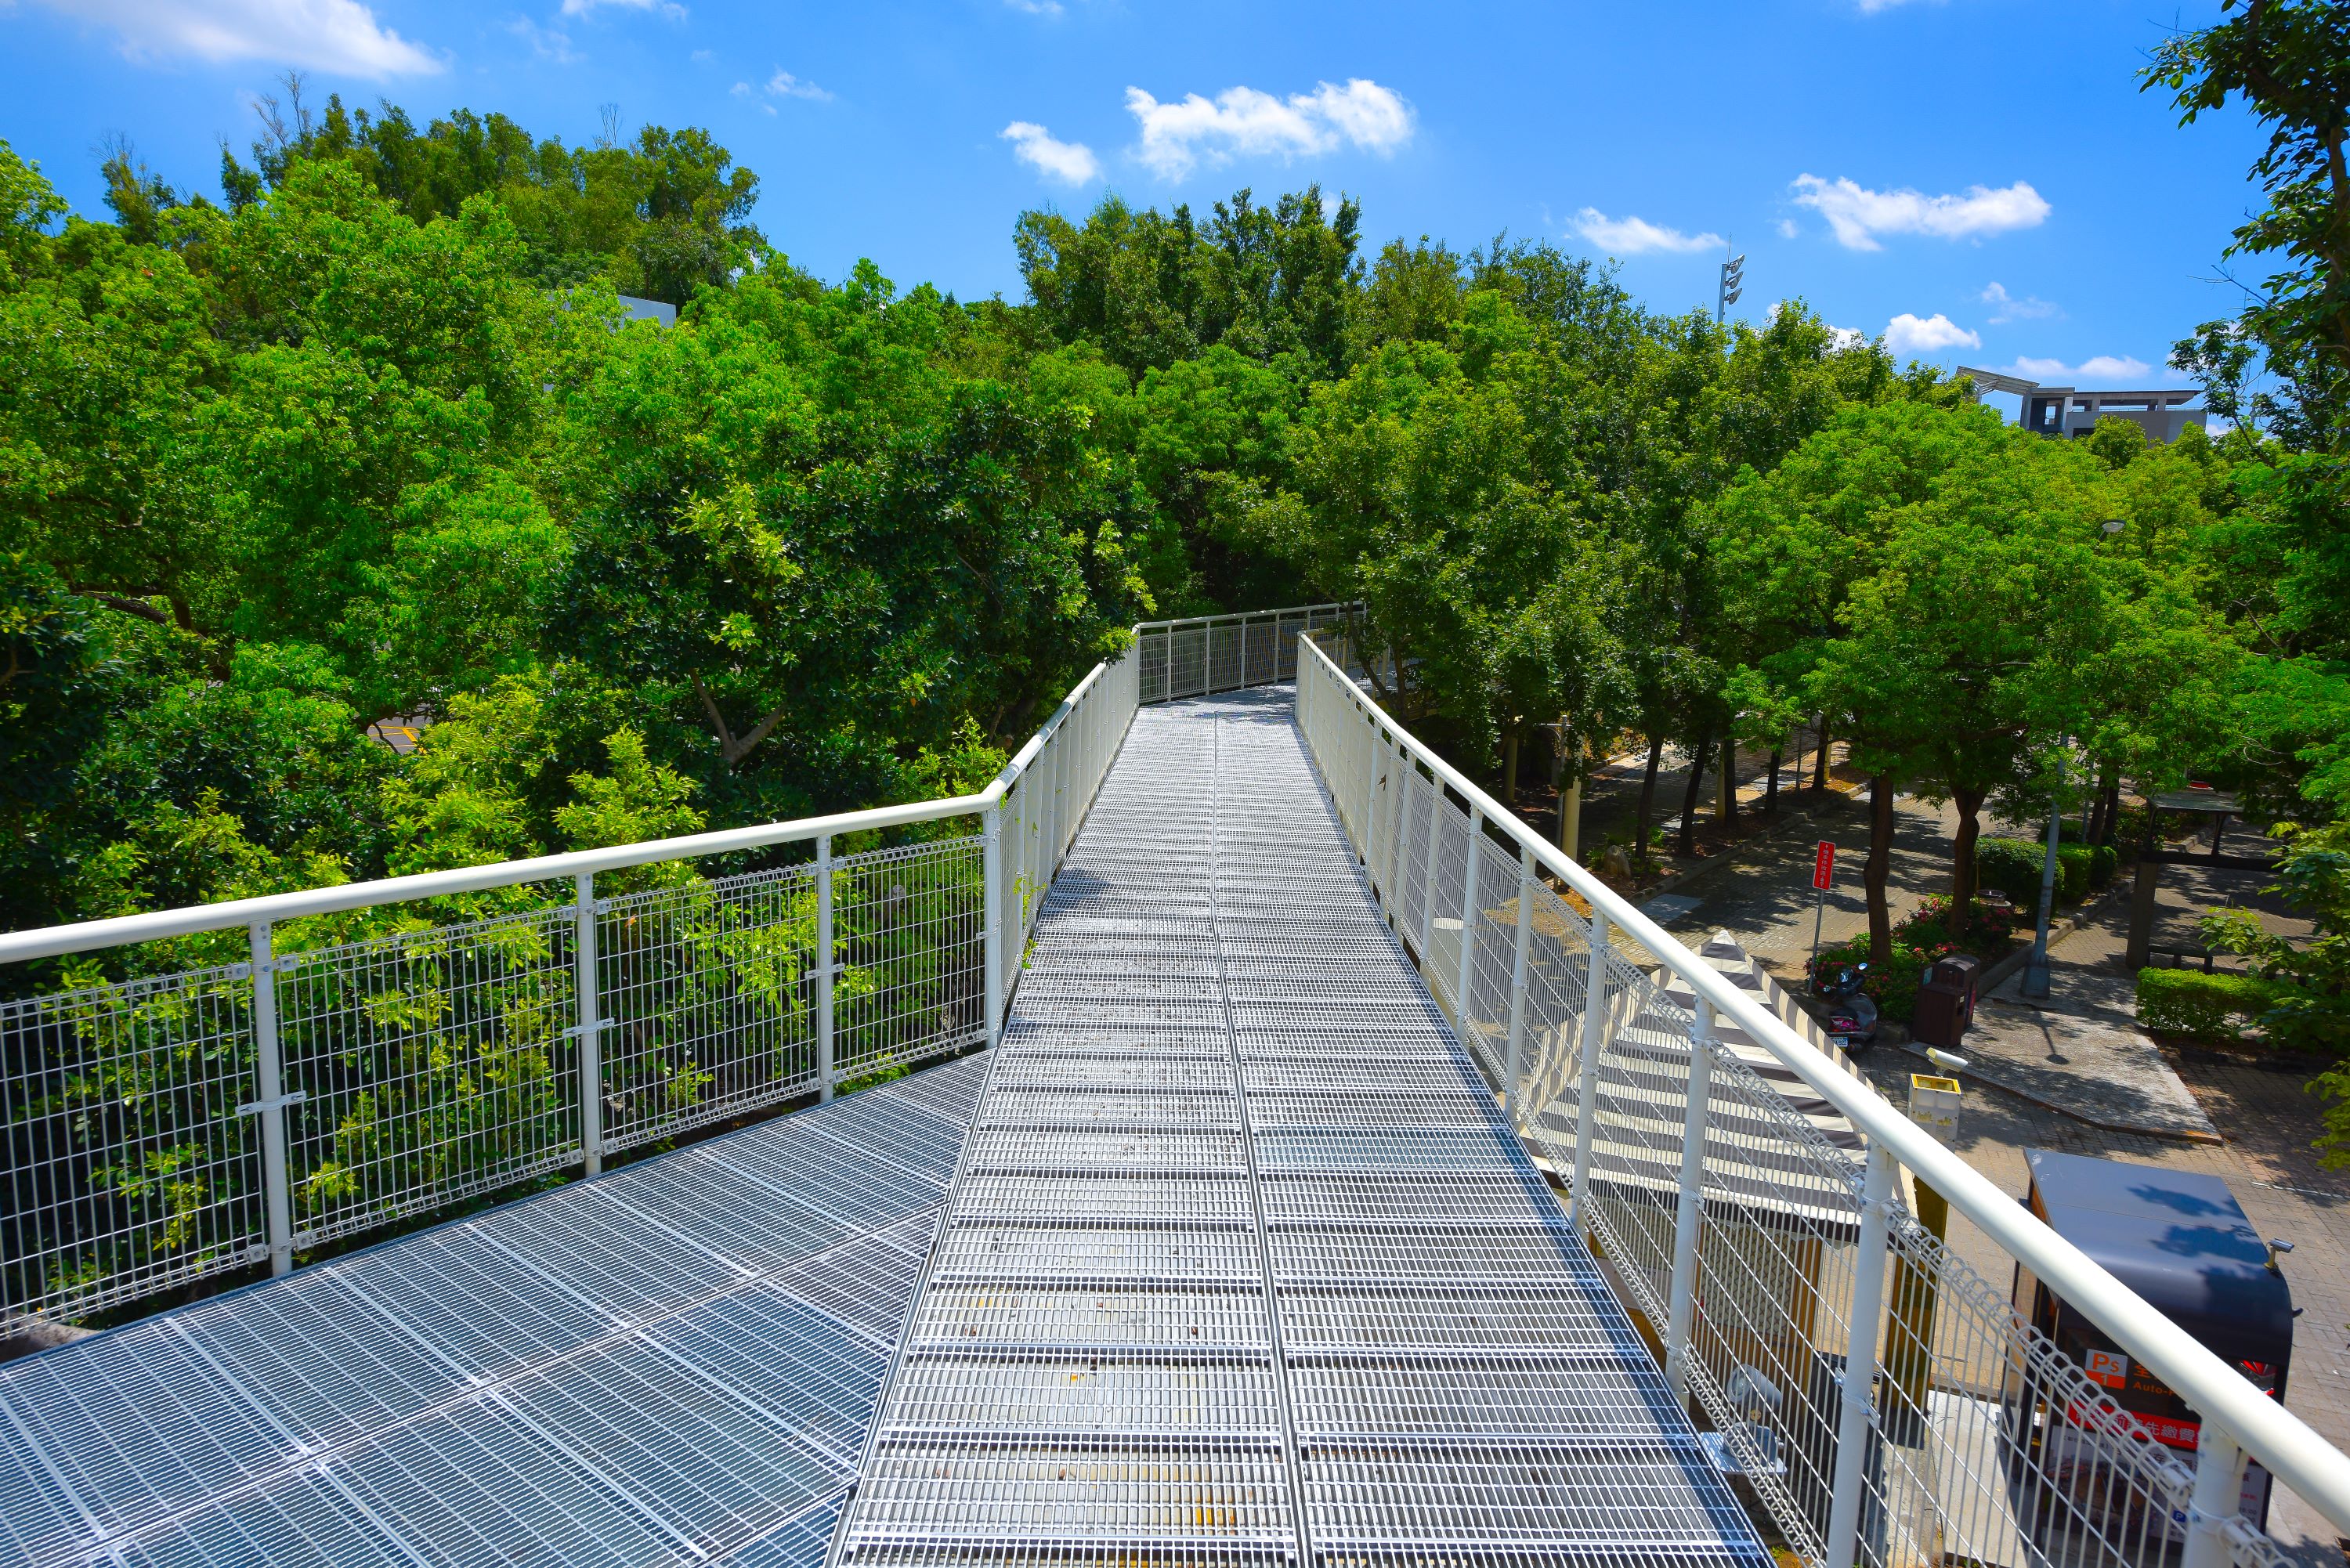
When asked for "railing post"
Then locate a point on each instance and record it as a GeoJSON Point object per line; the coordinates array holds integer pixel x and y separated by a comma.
{"type": "Point", "coordinates": [2218, 1498]}
{"type": "Point", "coordinates": [825, 947]}
{"type": "Point", "coordinates": [1681, 1313]}
{"type": "Point", "coordinates": [1856, 1395]}
{"type": "Point", "coordinates": [1392, 759]}
{"type": "Point", "coordinates": [269, 1104]}
{"type": "Point", "coordinates": [1371, 782]}
{"type": "Point", "coordinates": [1468, 858]}
{"type": "Point", "coordinates": [1587, 1070]}
{"type": "Point", "coordinates": [589, 1008]}
{"type": "Point", "coordinates": [1518, 984]}
{"type": "Point", "coordinates": [990, 862]}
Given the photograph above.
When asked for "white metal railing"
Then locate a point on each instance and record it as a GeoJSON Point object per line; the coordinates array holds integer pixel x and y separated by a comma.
{"type": "Point", "coordinates": [1220, 653]}
{"type": "Point", "coordinates": [260, 1077]}
{"type": "Point", "coordinates": [1768, 1258]}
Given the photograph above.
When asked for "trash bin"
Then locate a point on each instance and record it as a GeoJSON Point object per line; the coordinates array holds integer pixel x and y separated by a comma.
{"type": "Point", "coordinates": [1961, 969]}
{"type": "Point", "coordinates": [1941, 1015]}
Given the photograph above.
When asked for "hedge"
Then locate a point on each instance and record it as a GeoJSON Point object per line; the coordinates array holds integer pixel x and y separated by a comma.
{"type": "Point", "coordinates": [2203, 1006]}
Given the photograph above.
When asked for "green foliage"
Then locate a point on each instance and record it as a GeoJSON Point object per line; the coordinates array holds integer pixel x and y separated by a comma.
{"type": "Point", "coordinates": [2310, 1008]}
{"type": "Point", "coordinates": [2288, 65]}
{"type": "Point", "coordinates": [2013, 865]}
{"type": "Point", "coordinates": [1150, 290]}
{"type": "Point", "coordinates": [2212, 1007]}
{"type": "Point", "coordinates": [663, 216]}
{"type": "Point", "coordinates": [1893, 980]}
{"type": "Point", "coordinates": [373, 442]}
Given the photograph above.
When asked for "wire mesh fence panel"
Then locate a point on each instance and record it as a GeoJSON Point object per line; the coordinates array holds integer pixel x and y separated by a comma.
{"type": "Point", "coordinates": [1225, 651]}
{"type": "Point", "coordinates": [1983, 1442]}
{"type": "Point", "coordinates": [707, 993]}
{"type": "Point", "coordinates": [434, 1063]}
{"type": "Point", "coordinates": [1997, 1442]}
{"type": "Point", "coordinates": [1558, 969]}
{"type": "Point", "coordinates": [131, 1169]}
{"type": "Point", "coordinates": [1150, 650]}
{"type": "Point", "coordinates": [1286, 626]}
{"type": "Point", "coordinates": [1407, 898]}
{"type": "Point", "coordinates": [1440, 932]}
{"type": "Point", "coordinates": [1186, 660]}
{"type": "Point", "coordinates": [1260, 663]}
{"type": "Point", "coordinates": [908, 930]}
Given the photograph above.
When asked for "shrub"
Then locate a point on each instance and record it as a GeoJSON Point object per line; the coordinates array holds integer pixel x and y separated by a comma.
{"type": "Point", "coordinates": [2014, 867]}
{"type": "Point", "coordinates": [1985, 934]}
{"type": "Point", "coordinates": [2073, 865]}
{"type": "Point", "coordinates": [2203, 1006]}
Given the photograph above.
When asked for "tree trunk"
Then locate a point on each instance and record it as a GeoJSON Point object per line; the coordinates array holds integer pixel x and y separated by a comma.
{"type": "Point", "coordinates": [1509, 768]}
{"type": "Point", "coordinates": [1690, 792]}
{"type": "Point", "coordinates": [1771, 790]}
{"type": "Point", "coordinates": [1963, 876]}
{"type": "Point", "coordinates": [1647, 799]}
{"type": "Point", "coordinates": [1820, 761]}
{"type": "Point", "coordinates": [1729, 778]}
{"type": "Point", "coordinates": [1879, 867]}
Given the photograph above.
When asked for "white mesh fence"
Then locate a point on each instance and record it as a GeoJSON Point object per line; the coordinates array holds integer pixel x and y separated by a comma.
{"type": "Point", "coordinates": [1223, 653]}
{"type": "Point", "coordinates": [1976, 1439]}
{"type": "Point", "coordinates": [441, 1059]}
{"type": "Point", "coordinates": [130, 1170]}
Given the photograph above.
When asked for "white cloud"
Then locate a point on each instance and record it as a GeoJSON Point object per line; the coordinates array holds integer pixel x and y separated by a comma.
{"type": "Point", "coordinates": [1072, 162]}
{"type": "Point", "coordinates": [701, 56]}
{"type": "Point", "coordinates": [1630, 236]}
{"type": "Point", "coordinates": [550, 43]}
{"type": "Point", "coordinates": [1244, 122]}
{"type": "Point", "coordinates": [783, 84]}
{"type": "Point", "coordinates": [340, 37]}
{"type": "Point", "coordinates": [1906, 333]}
{"type": "Point", "coordinates": [1787, 230]}
{"type": "Point", "coordinates": [668, 8]}
{"type": "Point", "coordinates": [1858, 214]}
{"type": "Point", "coordinates": [1037, 7]}
{"type": "Point", "coordinates": [2006, 307]}
{"type": "Point", "coordinates": [1847, 336]}
{"type": "Point", "coordinates": [1871, 7]}
{"type": "Point", "coordinates": [2098, 368]}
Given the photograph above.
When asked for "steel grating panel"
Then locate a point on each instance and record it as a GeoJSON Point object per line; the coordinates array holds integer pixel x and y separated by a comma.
{"type": "Point", "coordinates": [1240, 1263]}
{"type": "Point", "coordinates": [677, 1361]}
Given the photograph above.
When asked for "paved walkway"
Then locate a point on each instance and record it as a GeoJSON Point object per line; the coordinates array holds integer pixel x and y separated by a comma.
{"type": "Point", "coordinates": [2079, 1052]}
{"type": "Point", "coordinates": [1764, 897]}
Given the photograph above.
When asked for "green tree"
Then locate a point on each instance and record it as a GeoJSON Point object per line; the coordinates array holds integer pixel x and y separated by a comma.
{"type": "Point", "coordinates": [2289, 62]}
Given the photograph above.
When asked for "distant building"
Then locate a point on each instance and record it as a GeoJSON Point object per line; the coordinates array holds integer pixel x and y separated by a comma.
{"type": "Point", "coordinates": [652, 310]}
{"type": "Point", "coordinates": [2062, 411]}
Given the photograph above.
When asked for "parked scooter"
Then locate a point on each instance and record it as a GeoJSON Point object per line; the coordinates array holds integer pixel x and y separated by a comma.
{"type": "Point", "coordinates": [1852, 1012]}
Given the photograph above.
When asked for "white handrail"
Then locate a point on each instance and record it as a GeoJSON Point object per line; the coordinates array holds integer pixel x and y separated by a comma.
{"type": "Point", "coordinates": [2280, 1440]}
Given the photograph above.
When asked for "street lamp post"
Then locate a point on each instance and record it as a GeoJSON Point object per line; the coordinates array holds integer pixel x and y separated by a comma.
{"type": "Point", "coordinates": [1734, 275]}
{"type": "Point", "coordinates": [2035, 972]}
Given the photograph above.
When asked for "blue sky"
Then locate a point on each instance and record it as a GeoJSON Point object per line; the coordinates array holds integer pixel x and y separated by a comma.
{"type": "Point", "coordinates": [1981, 178]}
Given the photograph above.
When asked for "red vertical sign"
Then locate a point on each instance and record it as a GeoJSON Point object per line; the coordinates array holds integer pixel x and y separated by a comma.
{"type": "Point", "coordinates": [1824, 867]}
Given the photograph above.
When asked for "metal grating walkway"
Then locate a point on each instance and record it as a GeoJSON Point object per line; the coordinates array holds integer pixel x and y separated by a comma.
{"type": "Point", "coordinates": [1240, 1262]}
{"type": "Point", "coordinates": [674, 1363]}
